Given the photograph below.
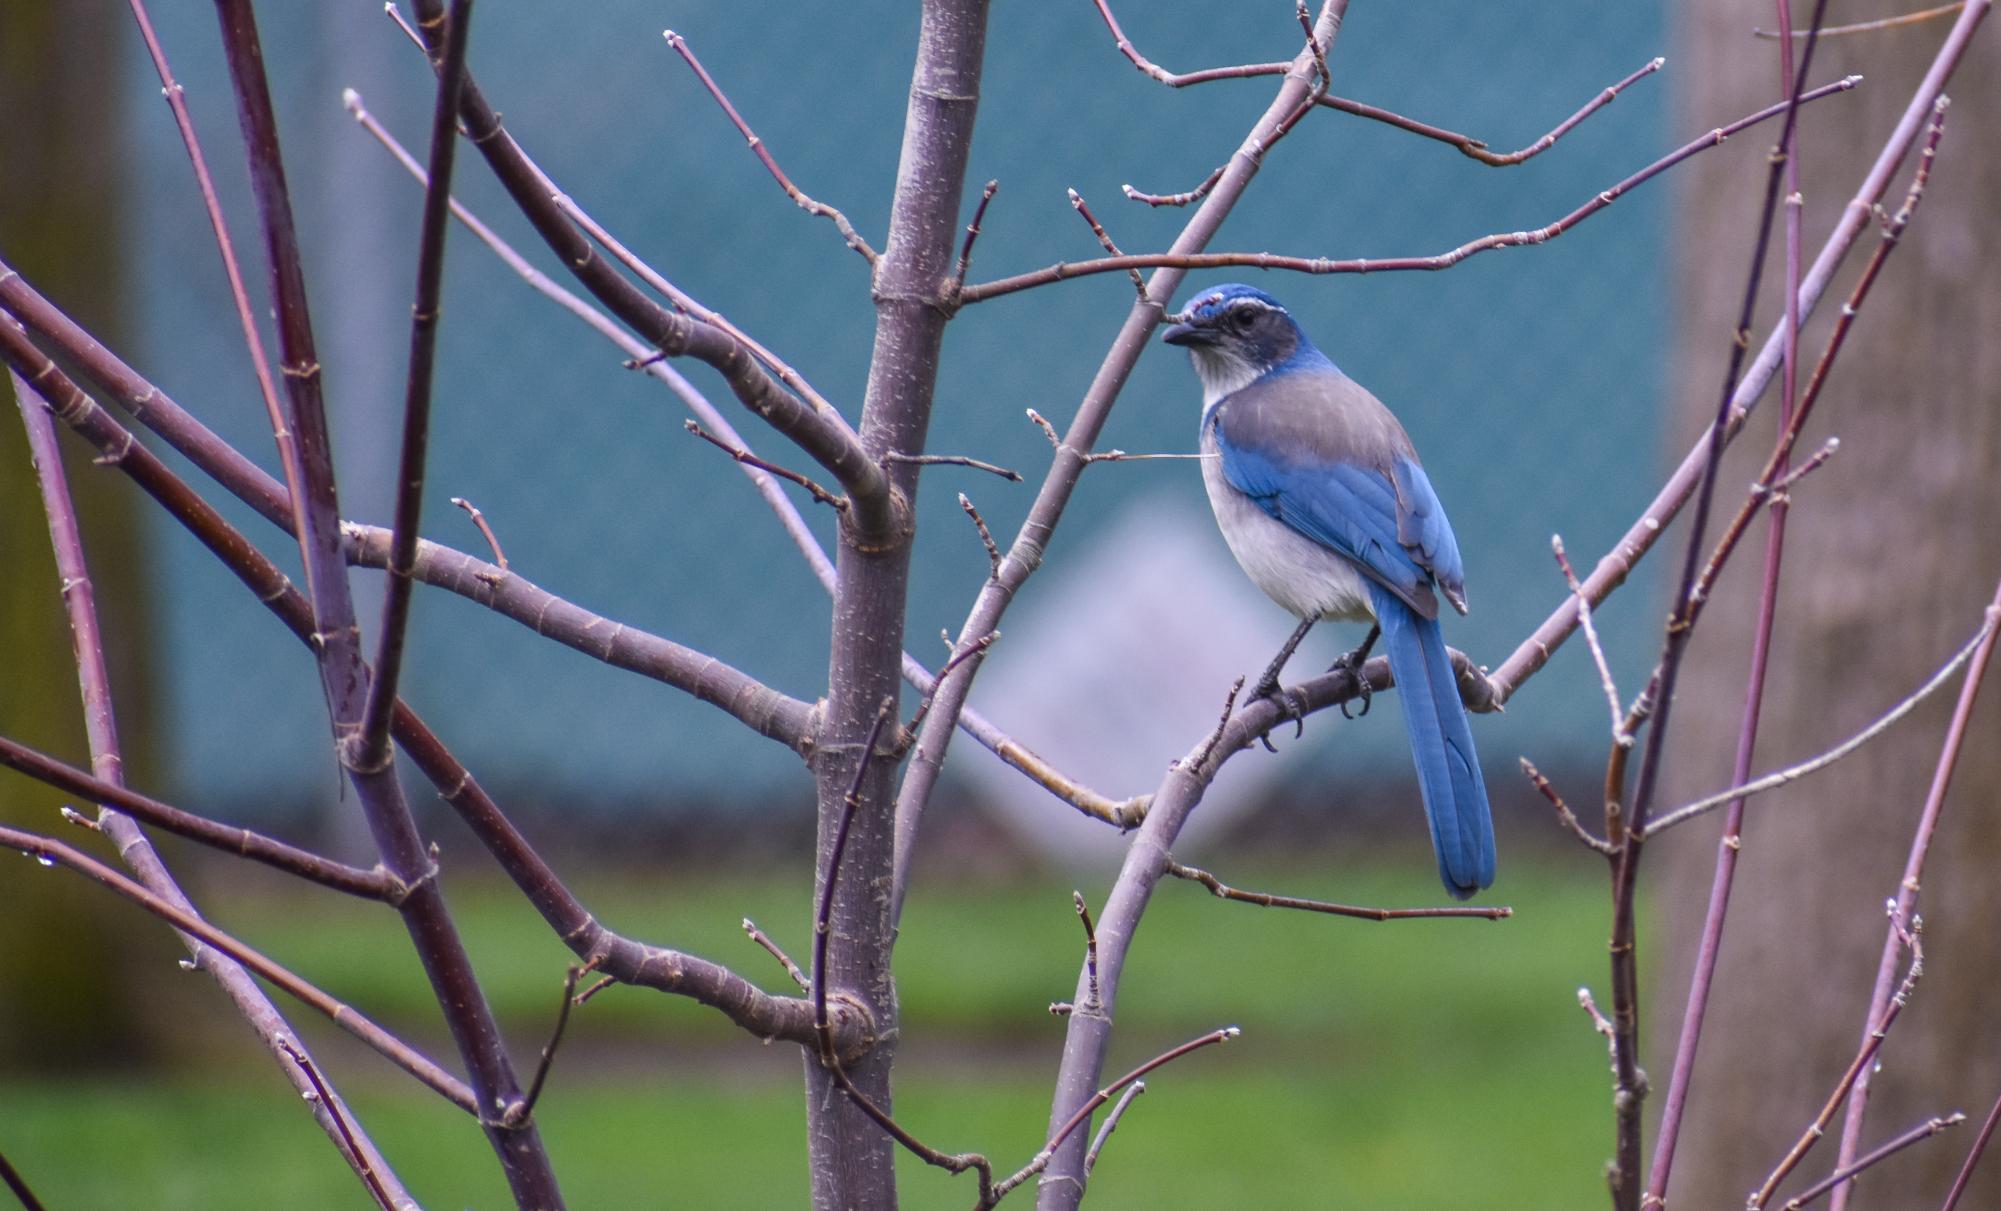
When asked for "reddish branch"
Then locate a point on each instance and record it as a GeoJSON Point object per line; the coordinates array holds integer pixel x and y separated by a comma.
{"type": "Point", "coordinates": [1066, 270]}
{"type": "Point", "coordinates": [1466, 144]}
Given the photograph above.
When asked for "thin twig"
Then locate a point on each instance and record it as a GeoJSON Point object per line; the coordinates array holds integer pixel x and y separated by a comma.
{"type": "Point", "coordinates": [1207, 748]}
{"type": "Point", "coordinates": [343, 674]}
{"type": "Point", "coordinates": [1111, 1124]}
{"type": "Point", "coordinates": [1083, 1115]}
{"type": "Point", "coordinates": [1224, 891]}
{"type": "Point", "coordinates": [839, 503]}
{"type": "Point", "coordinates": [986, 535]}
{"type": "Point", "coordinates": [603, 983]}
{"type": "Point", "coordinates": [1624, 1176]}
{"type": "Point", "coordinates": [1620, 736]}
{"type": "Point", "coordinates": [486, 531]}
{"type": "Point", "coordinates": [1965, 1174]}
{"type": "Point", "coordinates": [1564, 816]}
{"type": "Point", "coordinates": [823, 918]}
{"type": "Point", "coordinates": [1923, 1131]}
{"type": "Point", "coordinates": [326, 1098]}
{"type": "Point", "coordinates": [1781, 486]}
{"type": "Point", "coordinates": [1092, 1003]}
{"type": "Point", "coordinates": [521, 1111]}
{"type": "Point", "coordinates": [1475, 148]}
{"type": "Point", "coordinates": [1601, 1024]}
{"type": "Point", "coordinates": [1048, 430]}
{"type": "Point", "coordinates": [1105, 239]}
{"type": "Point", "coordinates": [134, 848]}
{"type": "Point", "coordinates": [952, 460]}
{"type": "Point", "coordinates": [253, 341]}
{"type": "Point", "coordinates": [960, 655]}
{"type": "Point", "coordinates": [1157, 200]}
{"type": "Point", "coordinates": [849, 235]}
{"type": "Point", "coordinates": [1864, 27]}
{"type": "Point", "coordinates": [1067, 270]}
{"type": "Point", "coordinates": [1910, 937]}
{"type": "Point", "coordinates": [771, 948]}
{"type": "Point", "coordinates": [972, 234]}
{"type": "Point", "coordinates": [1792, 773]}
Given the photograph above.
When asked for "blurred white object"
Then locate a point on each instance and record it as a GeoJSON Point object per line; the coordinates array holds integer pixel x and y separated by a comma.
{"type": "Point", "coordinates": [1116, 663]}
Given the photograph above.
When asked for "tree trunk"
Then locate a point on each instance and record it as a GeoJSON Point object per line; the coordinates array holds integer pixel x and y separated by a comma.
{"type": "Point", "coordinates": [1890, 556]}
{"type": "Point", "coordinates": [853, 1159]}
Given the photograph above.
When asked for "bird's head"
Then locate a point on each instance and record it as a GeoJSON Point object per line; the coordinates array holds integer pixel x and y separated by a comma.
{"type": "Point", "coordinates": [1237, 334]}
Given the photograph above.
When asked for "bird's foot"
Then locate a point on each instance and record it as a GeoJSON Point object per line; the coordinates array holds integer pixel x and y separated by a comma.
{"type": "Point", "coordinates": [1288, 708]}
{"type": "Point", "coordinates": [1351, 662]}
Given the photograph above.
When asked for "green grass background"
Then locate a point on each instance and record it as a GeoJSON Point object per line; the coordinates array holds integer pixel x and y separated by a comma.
{"type": "Point", "coordinates": [1410, 1064]}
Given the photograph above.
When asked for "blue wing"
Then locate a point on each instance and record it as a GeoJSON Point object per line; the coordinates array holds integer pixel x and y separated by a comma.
{"type": "Point", "coordinates": [1391, 526]}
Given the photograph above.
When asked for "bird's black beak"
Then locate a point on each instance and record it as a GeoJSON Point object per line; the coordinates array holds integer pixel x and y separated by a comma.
{"type": "Point", "coordinates": [1188, 335]}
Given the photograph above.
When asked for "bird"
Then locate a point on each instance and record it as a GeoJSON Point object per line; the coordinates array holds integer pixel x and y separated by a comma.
{"type": "Point", "coordinates": [1319, 493]}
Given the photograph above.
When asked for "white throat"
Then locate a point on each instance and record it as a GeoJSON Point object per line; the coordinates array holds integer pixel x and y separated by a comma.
{"type": "Point", "coordinates": [1221, 375]}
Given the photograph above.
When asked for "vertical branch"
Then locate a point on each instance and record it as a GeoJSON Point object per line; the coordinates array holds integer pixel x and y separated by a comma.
{"type": "Point", "coordinates": [373, 745]}
{"type": "Point", "coordinates": [342, 674]}
{"type": "Point", "coordinates": [852, 1160]}
{"type": "Point", "coordinates": [134, 848]}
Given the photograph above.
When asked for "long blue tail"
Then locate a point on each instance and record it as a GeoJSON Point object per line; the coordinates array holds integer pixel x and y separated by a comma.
{"type": "Point", "coordinates": [1441, 743]}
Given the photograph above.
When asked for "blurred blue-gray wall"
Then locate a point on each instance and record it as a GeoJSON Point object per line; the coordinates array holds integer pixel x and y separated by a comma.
{"type": "Point", "coordinates": [1529, 378]}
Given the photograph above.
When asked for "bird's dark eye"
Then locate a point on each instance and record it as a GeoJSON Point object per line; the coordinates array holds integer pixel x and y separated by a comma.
{"type": "Point", "coordinates": [1242, 319]}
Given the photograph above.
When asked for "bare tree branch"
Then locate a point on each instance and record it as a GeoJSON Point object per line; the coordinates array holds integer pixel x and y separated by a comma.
{"type": "Point", "coordinates": [375, 884]}
{"type": "Point", "coordinates": [1066, 270]}
{"type": "Point", "coordinates": [849, 235]}
{"type": "Point", "coordinates": [51, 852]}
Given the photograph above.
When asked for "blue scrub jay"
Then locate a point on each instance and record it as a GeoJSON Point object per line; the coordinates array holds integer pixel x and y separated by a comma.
{"type": "Point", "coordinates": [1319, 493]}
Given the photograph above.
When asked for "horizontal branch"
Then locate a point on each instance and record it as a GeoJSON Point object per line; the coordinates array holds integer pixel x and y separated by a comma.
{"type": "Point", "coordinates": [764, 710]}
{"type": "Point", "coordinates": [1224, 891]}
{"type": "Point", "coordinates": [51, 852]}
{"type": "Point", "coordinates": [1066, 270]}
{"type": "Point", "coordinates": [1477, 149]}
{"type": "Point", "coordinates": [375, 884]}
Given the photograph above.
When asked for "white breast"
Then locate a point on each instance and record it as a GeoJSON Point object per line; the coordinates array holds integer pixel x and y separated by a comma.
{"type": "Point", "coordinates": [1293, 570]}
